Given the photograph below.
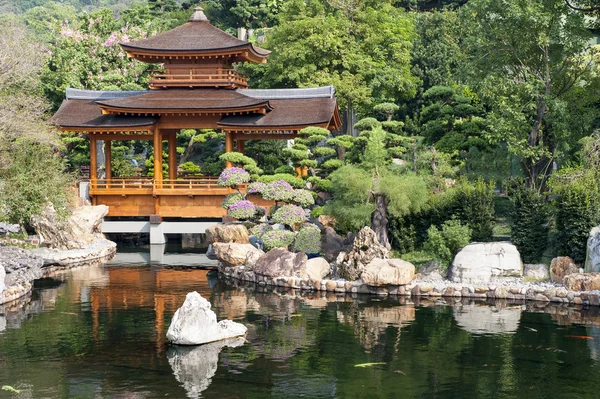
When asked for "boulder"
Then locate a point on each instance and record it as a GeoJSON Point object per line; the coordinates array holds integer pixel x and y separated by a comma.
{"type": "Point", "coordinates": [332, 244]}
{"type": "Point", "coordinates": [233, 232]}
{"type": "Point", "coordinates": [81, 229]}
{"type": "Point", "coordinates": [317, 268]}
{"type": "Point", "coordinates": [327, 221]}
{"type": "Point", "coordinates": [194, 323]}
{"type": "Point", "coordinates": [536, 272]}
{"type": "Point", "coordinates": [562, 267]}
{"type": "Point", "coordinates": [194, 367]}
{"type": "Point", "coordinates": [582, 281]}
{"type": "Point", "coordinates": [279, 262]}
{"type": "Point", "coordinates": [432, 270]}
{"type": "Point", "coordinates": [2, 276]}
{"type": "Point", "coordinates": [6, 228]}
{"type": "Point", "coordinates": [485, 262]}
{"type": "Point", "coordinates": [21, 268]}
{"type": "Point", "coordinates": [365, 248]}
{"type": "Point", "coordinates": [592, 261]}
{"type": "Point", "coordinates": [382, 272]}
{"type": "Point", "coordinates": [233, 254]}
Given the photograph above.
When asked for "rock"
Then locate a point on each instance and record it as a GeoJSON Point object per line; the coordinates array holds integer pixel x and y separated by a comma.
{"type": "Point", "coordinates": [194, 367]}
{"type": "Point", "coordinates": [433, 271]}
{"type": "Point", "coordinates": [252, 258]}
{"type": "Point", "coordinates": [317, 268]}
{"type": "Point", "coordinates": [382, 272]}
{"type": "Point", "coordinates": [485, 262]}
{"type": "Point", "coordinates": [279, 262]}
{"type": "Point", "coordinates": [81, 229]}
{"type": "Point", "coordinates": [536, 272]}
{"type": "Point", "coordinates": [100, 248]}
{"type": "Point", "coordinates": [332, 244]}
{"type": "Point", "coordinates": [194, 323]}
{"type": "Point", "coordinates": [327, 221]}
{"type": "Point", "coordinates": [562, 267]}
{"type": "Point", "coordinates": [21, 268]}
{"type": "Point", "coordinates": [233, 232]}
{"type": "Point", "coordinates": [365, 248]}
{"type": "Point", "coordinates": [487, 319]}
{"type": "Point", "coordinates": [582, 281]}
{"type": "Point", "coordinates": [7, 228]}
{"type": "Point", "coordinates": [233, 254]}
{"type": "Point", "coordinates": [592, 261]}
{"type": "Point", "coordinates": [2, 276]}
{"type": "Point", "coordinates": [210, 252]}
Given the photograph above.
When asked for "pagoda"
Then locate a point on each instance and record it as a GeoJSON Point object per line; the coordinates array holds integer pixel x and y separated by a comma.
{"type": "Point", "coordinates": [197, 88]}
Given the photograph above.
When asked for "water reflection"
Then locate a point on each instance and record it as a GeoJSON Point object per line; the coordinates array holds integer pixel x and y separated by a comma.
{"type": "Point", "coordinates": [487, 319]}
{"type": "Point", "coordinates": [194, 367]}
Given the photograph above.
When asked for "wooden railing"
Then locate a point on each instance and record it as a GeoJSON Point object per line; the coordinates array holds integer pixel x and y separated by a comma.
{"type": "Point", "coordinates": [185, 186]}
{"type": "Point", "coordinates": [199, 79]}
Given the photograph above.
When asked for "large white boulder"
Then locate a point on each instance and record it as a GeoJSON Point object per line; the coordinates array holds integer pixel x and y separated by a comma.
{"type": "Point", "coordinates": [592, 261]}
{"type": "Point", "coordinates": [382, 272]}
{"type": "Point", "coordinates": [485, 262]}
{"type": "Point", "coordinates": [194, 367]}
{"type": "Point", "coordinates": [317, 268]}
{"type": "Point", "coordinates": [194, 323]}
{"type": "Point", "coordinates": [234, 254]}
{"type": "Point", "coordinates": [2, 275]}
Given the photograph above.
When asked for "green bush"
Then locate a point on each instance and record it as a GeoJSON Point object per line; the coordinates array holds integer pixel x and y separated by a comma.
{"type": "Point", "coordinates": [285, 169]}
{"type": "Point", "coordinates": [529, 222]}
{"type": "Point", "coordinates": [475, 203]}
{"type": "Point", "coordinates": [445, 243]}
{"type": "Point", "coordinates": [308, 239]}
{"type": "Point", "coordinates": [277, 239]}
{"type": "Point", "coordinates": [577, 210]}
{"type": "Point", "coordinates": [291, 180]}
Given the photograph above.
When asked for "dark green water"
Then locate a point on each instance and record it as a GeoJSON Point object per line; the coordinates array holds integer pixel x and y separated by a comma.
{"type": "Point", "coordinates": [98, 332]}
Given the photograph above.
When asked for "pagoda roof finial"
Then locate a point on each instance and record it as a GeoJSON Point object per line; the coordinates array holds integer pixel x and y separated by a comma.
{"type": "Point", "coordinates": [198, 15]}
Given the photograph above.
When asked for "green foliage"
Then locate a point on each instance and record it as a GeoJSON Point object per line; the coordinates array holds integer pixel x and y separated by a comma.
{"type": "Point", "coordinates": [529, 222]}
{"type": "Point", "coordinates": [292, 180]}
{"type": "Point", "coordinates": [190, 167]}
{"type": "Point", "coordinates": [446, 243]}
{"type": "Point", "coordinates": [317, 211]}
{"type": "Point", "coordinates": [277, 239]}
{"type": "Point", "coordinates": [323, 152]}
{"type": "Point", "coordinates": [285, 169]}
{"type": "Point", "coordinates": [332, 164]}
{"type": "Point", "coordinates": [32, 176]}
{"type": "Point", "coordinates": [476, 207]}
{"type": "Point", "coordinates": [387, 110]}
{"type": "Point", "coordinates": [243, 161]}
{"type": "Point", "coordinates": [367, 124]}
{"type": "Point", "coordinates": [577, 212]}
{"type": "Point", "coordinates": [308, 239]}
{"type": "Point", "coordinates": [313, 131]}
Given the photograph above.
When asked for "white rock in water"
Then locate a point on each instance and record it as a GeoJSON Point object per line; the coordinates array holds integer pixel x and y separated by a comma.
{"type": "Point", "coordinates": [194, 323]}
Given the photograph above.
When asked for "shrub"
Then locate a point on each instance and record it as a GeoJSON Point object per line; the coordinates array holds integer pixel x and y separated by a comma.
{"type": "Point", "coordinates": [190, 167]}
{"type": "Point", "coordinates": [475, 204]}
{"type": "Point", "coordinates": [260, 229]}
{"type": "Point", "coordinates": [445, 243]}
{"type": "Point", "coordinates": [324, 152]}
{"type": "Point", "coordinates": [278, 190]}
{"type": "Point", "coordinates": [317, 211]}
{"type": "Point", "coordinates": [308, 239]}
{"type": "Point", "coordinates": [232, 177]}
{"type": "Point", "coordinates": [256, 188]}
{"type": "Point", "coordinates": [332, 164]}
{"type": "Point", "coordinates": [577, 211]}
{"type": "Point", "coordinates": [367, 124]}
{"type": "Point", "coordinates": [277, 239]}
{"type": "Point", "coordinates": [529, 222]}
{"type": "Point", "coordinates": [291, 180]}
{"type": "Point", "coordinates": [286, 169]}
{"type": "Point", "coordinates": [242, 210]}
{"type": "Point", "coordinates": [304, 198]}
{"type": "Point", "coordinates": [292, 215]}
{"type": "Point", "coordinates": [231, 199]}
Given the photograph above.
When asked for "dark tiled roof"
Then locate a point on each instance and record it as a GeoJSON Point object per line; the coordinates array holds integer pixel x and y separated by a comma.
{"type": "Point", "coordinates": [294, 112]}
{"type": "Point", "coordinates": [193, 37]}
{"type": "Point", "coordinates": [87, 114]}
{"type": "Point", "coordinates": [283, 94]}
{"type": "Point", "coordinates": [178, 99]}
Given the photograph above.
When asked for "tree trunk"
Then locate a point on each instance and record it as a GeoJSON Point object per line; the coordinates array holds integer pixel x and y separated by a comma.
{"type": "Point", "coordinates": [379, 220]}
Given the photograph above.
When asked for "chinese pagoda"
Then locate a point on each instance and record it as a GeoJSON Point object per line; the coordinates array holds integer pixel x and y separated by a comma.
{"type": "Point", "coordinates": [199, 89]}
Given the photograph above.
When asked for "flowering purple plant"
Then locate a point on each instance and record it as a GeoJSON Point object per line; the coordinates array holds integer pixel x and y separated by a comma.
{"type": "Point", "coordinates": [308, 239]}
{"type": "Point", "coordinates": [256, 188]}
{"type": "Point", "coordinates": [277, 239]}
{"type": "Point", "coordinates": [231, 199]}
{"type": "Point", "coordinates": [260, 229]}
{"type": "Point", "coordinates": [232, 177]}
{"type": "Point", "coordinates": [279, 190]}
{"type": "Point", "coordinates": [242, 210]}
{"type": "Point", "coordinates": [303, 198]}
{"type": "Point", "coordinates": [291, 215]}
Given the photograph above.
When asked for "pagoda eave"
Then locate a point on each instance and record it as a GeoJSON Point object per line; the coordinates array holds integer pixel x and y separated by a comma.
{"type": "Point", "coordinates": [242, 53]}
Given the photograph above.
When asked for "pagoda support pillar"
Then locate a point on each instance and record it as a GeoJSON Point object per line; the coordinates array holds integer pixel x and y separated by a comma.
{"type": "Point", "coordinates": [228, 147]}
{"type": "Point", "coordinates": [240, 146]}
{"type": "Point", "coordinates": [172, 156]}
{"type": "Point", "coordinates": [93, 161]}
{"type": "Point", "coordinates": [158, 161]}
{"type": "Point", "coordinates": [108, 160]}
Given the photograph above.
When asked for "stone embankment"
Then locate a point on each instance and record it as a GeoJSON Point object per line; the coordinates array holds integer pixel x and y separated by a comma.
{"type": "Point", "coordinates": [100, 248]}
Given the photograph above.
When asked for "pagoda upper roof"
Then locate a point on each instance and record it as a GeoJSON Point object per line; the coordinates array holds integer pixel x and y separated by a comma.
{"type": "Point", "coordinates": [196, 37]}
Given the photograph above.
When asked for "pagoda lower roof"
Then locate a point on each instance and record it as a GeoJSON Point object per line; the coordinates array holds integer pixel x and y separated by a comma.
{"type": "Point", "coordinates": [263, 110]}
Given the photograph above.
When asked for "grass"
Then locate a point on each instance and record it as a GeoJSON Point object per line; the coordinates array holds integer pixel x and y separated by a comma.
{"type": "Point", "coordinates": [417, 258]}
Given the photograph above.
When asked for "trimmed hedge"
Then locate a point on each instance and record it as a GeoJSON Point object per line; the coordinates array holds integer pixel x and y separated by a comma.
{"type": "Point", "coordinates": [529, 222]}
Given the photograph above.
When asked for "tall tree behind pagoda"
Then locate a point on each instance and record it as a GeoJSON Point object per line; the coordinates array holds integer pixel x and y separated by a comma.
{"type": "Point", "coordinates": [363, 50]}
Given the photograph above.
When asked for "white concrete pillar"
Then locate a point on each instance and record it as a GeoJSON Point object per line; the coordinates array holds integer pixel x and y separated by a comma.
{"type": "Point", "coordinates": [157, 235]}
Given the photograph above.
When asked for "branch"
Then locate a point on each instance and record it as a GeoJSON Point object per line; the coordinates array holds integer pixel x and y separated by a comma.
{"type": "Point", "coordinates": [583, 9]}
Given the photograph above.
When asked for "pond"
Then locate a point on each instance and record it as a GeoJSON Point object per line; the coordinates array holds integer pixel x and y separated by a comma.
{"type": "Point", "coordinates": [99, 332]}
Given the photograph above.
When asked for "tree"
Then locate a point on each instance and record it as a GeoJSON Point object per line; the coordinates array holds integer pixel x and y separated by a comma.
{"type": "Point", "coordinates": [528, 56]}
{"type": "Point", "coordinates": [232, 14]}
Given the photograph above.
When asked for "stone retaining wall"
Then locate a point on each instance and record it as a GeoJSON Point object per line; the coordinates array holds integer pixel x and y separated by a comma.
{"type": "Point", "coordinates": [512, 289]}
{"type": "Point", "coordinates": [98, 249]}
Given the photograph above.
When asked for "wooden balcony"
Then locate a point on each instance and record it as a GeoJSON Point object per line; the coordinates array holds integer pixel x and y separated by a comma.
{"type": "Point", "coordinates": [199, 78]}
{"type": "Point", "coordinates": [189, 197]}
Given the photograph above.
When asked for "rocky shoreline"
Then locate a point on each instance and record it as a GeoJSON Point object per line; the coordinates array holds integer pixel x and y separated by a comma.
{"type": "Point", "coordinates": [509, 289]}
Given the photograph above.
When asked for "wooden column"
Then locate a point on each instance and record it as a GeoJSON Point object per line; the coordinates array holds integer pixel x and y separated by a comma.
{"type": "Point", "coordinates": [240, 145]}
{"type": "Point", "coordinates": [173, 156]}
{"type": "Point", "coordinates": [93, 161]}
{"type": "Point", "coordinates": [158, 177]}
{"type": "Point", "coordinates": [107, 160]}
{"type": "Point", "coordinates": [228, 146]}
